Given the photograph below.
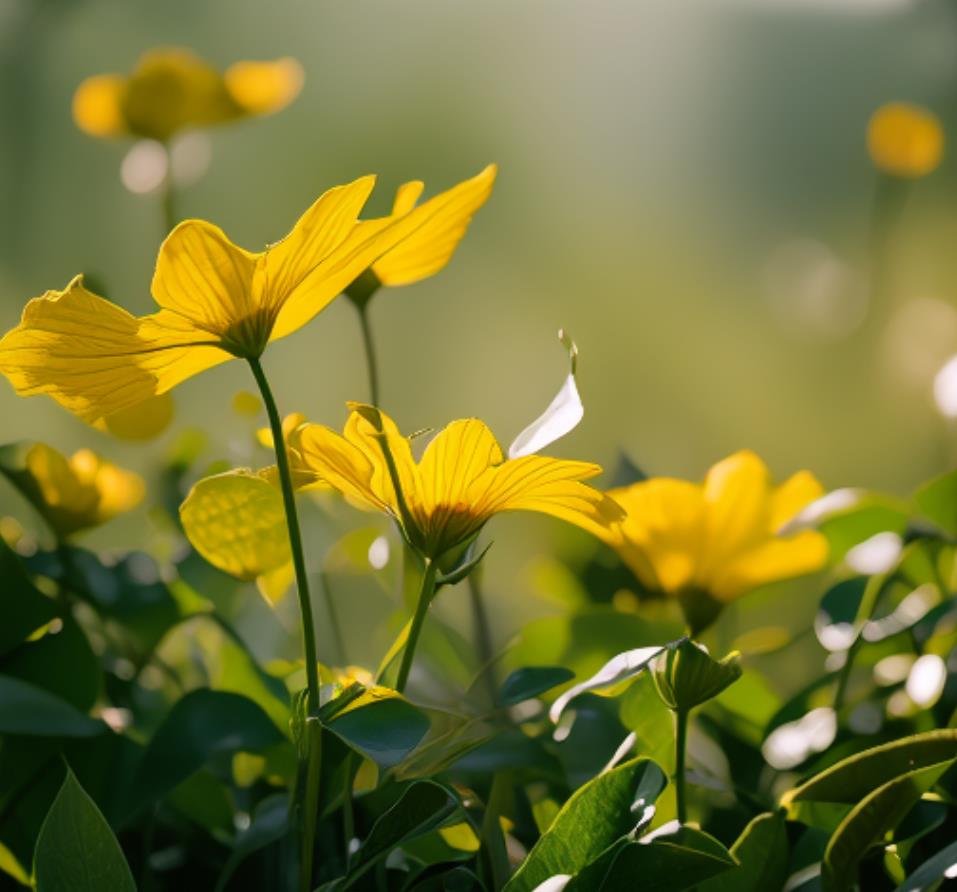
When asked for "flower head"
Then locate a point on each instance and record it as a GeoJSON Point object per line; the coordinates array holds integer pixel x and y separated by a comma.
{"type": "Point", "coordinates": [432, 246]}
{"type": "Point", "coordinates": [905, 140]}
{"type": "Point", "coordinates": [720, 538]}
{"type": "Point", "coordinates": [463, 479]}
{"type": "Point", "coordinates": [73, 493]}
{"type": "Point", "coordinates": [217, 301]}
{"type": "Point", "coordinates": [172, 89]}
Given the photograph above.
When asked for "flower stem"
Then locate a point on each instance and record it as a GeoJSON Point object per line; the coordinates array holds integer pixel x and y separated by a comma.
{"type": "Point", "coordinates": [483, 635]}
{"type": "Point", "coordinates": [313, 741]}
{"type": "Point", "coordinates": [167, 195]}
{"type": "Point", "coordinates": [426, 593]}
{"type": "Point", "coordinates": [368, 345]}
{"type": "Point", "coordinates": [681, 745]}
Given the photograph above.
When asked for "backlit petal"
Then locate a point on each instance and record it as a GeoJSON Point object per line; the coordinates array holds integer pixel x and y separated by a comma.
{"type": "Point", "coordinates": [792, 496]}
{"type": "Point", "coordinates": [341, 463]}
{"type": "Point", "coordinates": [406, 196]}
{"type": "Point", "coordinates": [426, 251]}
{"type": "Point", "coordinates": [456, 457]}
{"type": "Point", "coordinates": [773, 560]}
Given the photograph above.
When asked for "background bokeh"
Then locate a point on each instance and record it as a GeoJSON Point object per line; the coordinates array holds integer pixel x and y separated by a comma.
{"type": "Point", "coordinates": [684, 186]}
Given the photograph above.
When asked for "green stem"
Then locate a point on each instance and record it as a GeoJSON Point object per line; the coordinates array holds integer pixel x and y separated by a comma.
{"type": "Point", "coordinates": [483, 635]}
{"type": "Point", "coordinates": [313, 742]}
{"type": "Point", "coordinates": [865, 611]}
{"type": "Point", "coordinates": [681, 745]}
{"type": "Point", "coordinates": [334, 624]}
{"type": "Point", "coordinates": [167, 196]}
{"type": "Point", "coordinates": [426, 593]}
{"type": "Point", "coordinates": [494, 854]}
{"type": "Point", "coordinates": [368, 345]}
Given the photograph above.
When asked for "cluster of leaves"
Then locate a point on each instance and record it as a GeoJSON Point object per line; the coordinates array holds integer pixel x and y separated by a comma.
{"type": "Point", "coordinates": [142, 737]}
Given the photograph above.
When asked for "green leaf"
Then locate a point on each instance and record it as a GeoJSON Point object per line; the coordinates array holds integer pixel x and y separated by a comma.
{"type": "Point", "coordinates": [930, 871]}
{"type": "Point", "coordinates": [422, 807]}
{"type": "Point", "coordinates": [33, 711]}
{"type": "Point", "coordinates": [269, 823]}
{"type": "Point", "coordinates": [853, 778]}
{"type": "Point", "coordinates": [670, 862]}
{"type": "Point", "coordinates": [531, 681]}
{"type": "Point", "coordinates": [872, 514]}
{"type": "Point", "coordinates": [686, 675]}
{"type": "Point", "coordinates": [869, 821]}
{"type": "Point", "coordinates": [762, 853]}
{"type": "Point", "coordinates": [604, 809]}
{"type": "Point", "coordinates": [382, 725]}
{"type": "Point", "coordinates": [937, 501]}
{"type": "Point", "coordinates": [76, 850]}
{"type": "Point", "coordinates": [202, 725]}
{"type": "Point", "coordinates": [24, 608]}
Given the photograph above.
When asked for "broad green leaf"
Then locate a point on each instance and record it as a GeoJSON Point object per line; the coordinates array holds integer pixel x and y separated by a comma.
{"type": "Point", "coordinates": [205, 800]}
{"type": "Point", "coordinates": [930, 871]}
{"type": "Point", "coordinates": [33, 711]}
{"type": "Point", "coordinates": [449, 738]}
{"type": "Point", "coordinates": [422, 807]}
{"type": "Point", "coordinates": [642, 711]}
{"type": "Point", "coordinates": [203, 724]}
{"type": "Point", "coordinates": [41, 663]}
{"type": "Point", "coordinates": [24, 608]}
{"type": "Point", "coordinates": [382, 725]}
{"type": "Point", "coordinates": [851, 779]}
{"type": "Point", "coordinates": [531, 681]}
{"type": "Point", "coordinates": [668, 862]}
{"type": "Point", "coordinates": [762, 853]}
{"type": "Point", "coordinates": [236, 521]}
{"type": "Point", "coordinates": [686, 675]}
{"type": "Point", "coordinates": [597, 814]}
{"type": "Point", "coordinates": [76, 850]}
{"type": "Point", "coordinates": [869, 821]}
{"type": "Point", "coordinates": [937, 501]}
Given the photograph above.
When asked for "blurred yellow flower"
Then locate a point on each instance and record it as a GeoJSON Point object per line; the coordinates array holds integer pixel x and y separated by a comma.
{"type": "Point", "coordinates": [720, 538]}
{"type": "Point", "coordinates": [144, 421]}
{"type": "Point", "coordinates": [76, 493]}
{"type": "Point", "coordinates": [905, 140]}
{"type": "Point", "coordinates": [217, 302]}
{"type": "Point", "coordinates": [461, 481]}
{"type": "Point", "coordinates": [172, 89]}
{"type": "Point", "coordinates": [303, 477]}
{"type": "Point", "coordinates": [432, 246]}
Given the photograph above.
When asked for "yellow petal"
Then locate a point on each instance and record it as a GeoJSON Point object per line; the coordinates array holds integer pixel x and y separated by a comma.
{"type": "Point", "coordinates": [361, 431]}
{"type": "Point", "coordinates": [455, 457]}
{"type": "Point", "coordinates": [97, 105]}
{"type": "Point", "coordinates": [737, 493]}
{"type": "Point", "coordinates": [431, 246]}
{"type": "Point", "coordinates": [261, 88]}
{"type": "Point", "coordinates": [792, 496]}
{"type": "Point", "coordinates": [770, 561]}
{"type": "Point", "coordinates": [96, 359]}
{"type": "Point", "coordinates": [661, 536]}
{"type": "Point", "coordinates": [203, 277]}
{"type": "Point", "coordinates": [274, 584]}
{"type": "Point", "coordinates": [905, 140]}
{"type": "Point", "coordinates": [118, 490]}
{"type": "Point", "coordinates": [246, 403]}
{"type": "Point", "coordinates": [406, 196]}
{"type": "Point", "coordinates": [144, 421]}
{"type": "Point", "coordinates": [341, 463]}
{"type": "Point", "coordinates": [236, 521]}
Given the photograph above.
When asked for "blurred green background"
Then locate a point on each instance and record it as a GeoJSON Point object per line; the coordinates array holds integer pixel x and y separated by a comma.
{"type": "Point", "coordinates": [684, 186]}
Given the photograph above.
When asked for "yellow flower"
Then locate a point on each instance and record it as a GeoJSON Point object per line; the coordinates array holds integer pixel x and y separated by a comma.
{"type": "Point", "coordinates": [172, 89]}
{"type": "Point", "coordinates": [430, 249]}
{"type": "Point", "coordinates": [75, 493]}
{"type": "Point", "coordinates": [461, 481]}
{"type": "Point", "coordinates": [217, 301]}
{"type": "Point", "coordinates": [721, 538]}
{"type": "Point", "coordinates": [303, 477]}
{"type": "Point", "coordinates": [905, 140]}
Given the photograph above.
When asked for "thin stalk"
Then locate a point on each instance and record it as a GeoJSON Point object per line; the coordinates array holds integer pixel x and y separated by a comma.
{"type": "Point", "coordinates": [494, 853]}
{"type": "Point", "coordinates": [167, 195]}
{"type": "Point", "coordinates": [681, 745]}
{"type": "Point", "coordinates": [313, 741]}
{"type": "Point", "coordinates": [334, 625]}
{"type": "Point", "coordinates": [368, 345]}
{"type": "Point", "coordinates": [483, 635]}
{"type": "Point", "coordinates": [426, 592]}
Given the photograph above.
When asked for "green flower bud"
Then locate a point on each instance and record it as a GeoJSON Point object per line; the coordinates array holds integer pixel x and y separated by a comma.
{"type": "Point", "coordinates": [686, 675]}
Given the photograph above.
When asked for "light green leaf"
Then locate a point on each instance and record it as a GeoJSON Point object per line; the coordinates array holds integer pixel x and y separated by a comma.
{"type": "Point", "coordinates": [594, 817]}
{"type": "Point", "coordinates": [937, 501]}
{"type": "Point", "coordinates": [76, 850]}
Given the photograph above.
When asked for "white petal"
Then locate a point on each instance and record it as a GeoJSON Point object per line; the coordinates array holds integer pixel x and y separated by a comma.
{"type": "Point", "coordinates": [554, 884]}
{"type": "Point", "coordinates": [562, 416]}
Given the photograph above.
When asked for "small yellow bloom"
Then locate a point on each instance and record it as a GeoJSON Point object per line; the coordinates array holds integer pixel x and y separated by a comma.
{"type": "Point", "coordinates": [303, 477]}
{"type": "Point", "coordinates": [430, 249]}
{"type": "Point", "coordinates": [461, 481]}
{"type": "Point", "coordinates": [75, 493]}
{"type": "Point", "coordinates": [172, 89]}
{"type": "Point", "coordinates": [905, 140]}
{"type": "Point", "coordinates": [720, 538]}
{"type": "Point", "coordinates": [217, 301]}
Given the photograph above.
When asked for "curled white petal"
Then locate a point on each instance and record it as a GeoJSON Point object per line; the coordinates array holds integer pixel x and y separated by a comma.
{"type": "Point", "coordinates": [554, 884]}
{"type": "Point", "coordinates": [562, 416]}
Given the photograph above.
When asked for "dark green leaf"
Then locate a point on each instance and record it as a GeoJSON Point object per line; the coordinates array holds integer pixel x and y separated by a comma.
{"type": "Point", "coordinates": [595, 816]}
{"type": "Point", "coordinates": [762, 853]}
{"type": "Point", "coordinates": [385, 729]}
{"type": "Point", "coordinates": [30, 710]}
{"type": "Point", "coordinates": [930, 871]}
{"type": "Point", "coordinates": [76, 850]}
{"type": "Point", "coordinates": [24, 608]}
{"type": "Point", "coordinates": [270, 822]}
{"type": "Point", "coordinates": [530, 681]}
{"type": "Point", "coordinates": [870, 820]}
{"type": "Point", "coordinates": [853, 778]}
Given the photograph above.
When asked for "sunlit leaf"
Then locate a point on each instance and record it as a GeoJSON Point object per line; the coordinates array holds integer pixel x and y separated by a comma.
{"type": "Point", "coordinates": [937, 501]}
